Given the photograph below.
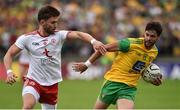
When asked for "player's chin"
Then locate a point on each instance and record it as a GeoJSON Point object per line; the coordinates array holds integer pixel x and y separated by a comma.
{"type": "Point", "coordinates": [149, 44]}
{"type": "Point", "coordinates": [51, 32]}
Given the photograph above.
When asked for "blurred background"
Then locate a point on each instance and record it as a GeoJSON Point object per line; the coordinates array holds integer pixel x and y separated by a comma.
{"type": "Point", "coordinates": [107, 21]}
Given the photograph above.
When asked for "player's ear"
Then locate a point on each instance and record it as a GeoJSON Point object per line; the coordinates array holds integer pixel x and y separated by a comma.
{"type": "Point", "coordinates": [42, 22]}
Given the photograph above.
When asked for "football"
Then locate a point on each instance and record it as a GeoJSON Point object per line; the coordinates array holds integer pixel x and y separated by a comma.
{"type": "Point", "coordinates": [151, 73]}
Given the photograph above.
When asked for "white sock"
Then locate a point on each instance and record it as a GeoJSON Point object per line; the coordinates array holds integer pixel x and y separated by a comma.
{"type": "Point", "coordinates": [48, 107]}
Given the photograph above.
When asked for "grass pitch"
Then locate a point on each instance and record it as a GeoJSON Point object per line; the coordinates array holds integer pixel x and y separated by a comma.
{"type": "Point", "coordinates": [81, 94]}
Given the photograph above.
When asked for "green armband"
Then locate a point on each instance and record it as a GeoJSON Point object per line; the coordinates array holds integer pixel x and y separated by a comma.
{"type": "Point", "coordinates": [124, 45]}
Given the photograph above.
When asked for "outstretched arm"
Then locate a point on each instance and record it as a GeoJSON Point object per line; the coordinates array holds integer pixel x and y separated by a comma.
{"type": "Point", "coordinates": [97, 45]}
{"type": "Point", "coordinates": [82, 66]}
{"type": "Point", "coordinates": [122, 45]}
{"type": "Point", "coordinates": [113, 47]}
{"type": "Point", "coordinates": [13, 50]}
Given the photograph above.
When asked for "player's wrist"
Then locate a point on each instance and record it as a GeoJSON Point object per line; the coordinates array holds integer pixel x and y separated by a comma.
{"type": "Point", "coordinates": [93, 40]}
{"type": "Point", "coordinates": [88, 63]}
{"type": "Point", "coordinates": [9, 71]}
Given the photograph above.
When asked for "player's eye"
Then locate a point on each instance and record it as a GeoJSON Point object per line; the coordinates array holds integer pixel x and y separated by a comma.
{"type": "Point", "coordinates": [54, 22]}
{"type": "Point", "coordinates": [152, 35]}
{"type": "Point", "coordinates": [147, 34]}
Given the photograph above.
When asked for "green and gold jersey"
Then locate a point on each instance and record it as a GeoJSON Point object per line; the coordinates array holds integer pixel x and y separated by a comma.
{"type": "Point", "coordinates": [131, 60]}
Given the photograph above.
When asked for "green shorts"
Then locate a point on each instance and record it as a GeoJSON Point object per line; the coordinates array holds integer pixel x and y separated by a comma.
{"type": "Point", "coordinates": [111, 91]}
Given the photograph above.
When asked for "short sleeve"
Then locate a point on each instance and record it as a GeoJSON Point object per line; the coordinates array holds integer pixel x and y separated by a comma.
{"type": "Point", "coordinates": [124, 45]}
{"type": "Point", "coordinates": [20, 42]}
{"type": "Point", "coordinates": [63, 34]}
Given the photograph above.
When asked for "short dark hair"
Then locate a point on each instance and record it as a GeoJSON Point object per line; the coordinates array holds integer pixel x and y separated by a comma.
{"type": "Point", "coordinates": [156, 26]}
{"type": "Point", "coordinates": [47, 12]}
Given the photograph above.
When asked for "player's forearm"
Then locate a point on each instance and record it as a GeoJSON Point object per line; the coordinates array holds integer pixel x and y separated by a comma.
{"type": "Point", "coordinates": [110, 47]}
{"type": "Point", "coordinates": [113, 47]}
{"type": "Point", "coordinates": [94, 56]}
{"type": "Point", "coordinates": [85, 37]}
{"type": "Point", "coordinates": [13, 50]}
{"type": "Point", "coordinates": [8, 61]}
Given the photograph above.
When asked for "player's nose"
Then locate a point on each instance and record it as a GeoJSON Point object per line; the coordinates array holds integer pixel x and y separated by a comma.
{"type": "Point", "coordinates": [148, 38]}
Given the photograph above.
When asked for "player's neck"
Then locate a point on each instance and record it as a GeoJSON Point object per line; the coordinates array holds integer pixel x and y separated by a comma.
{"type": "Point", "coordinates": [42, 33]}
{"type": "Point", "coordinates": [148, 48]}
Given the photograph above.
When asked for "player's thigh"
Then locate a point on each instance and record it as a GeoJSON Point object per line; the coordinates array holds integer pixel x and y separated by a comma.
{"type": "Point", "coordinates": [100, 105]}
{"type": "Point", "coordinates": [30, 96]}
{"type": "Point", "coordinates": [125, 104]}
{"type": "Point", "coordinates": [28, 101]}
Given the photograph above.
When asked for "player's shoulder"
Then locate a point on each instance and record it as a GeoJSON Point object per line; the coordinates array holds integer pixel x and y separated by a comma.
{"type": "Point", "coordinates": [132, 41]}
{"type": "Point", "coordinates": [136, 40]}
{"type": "Point", "coordinates": [26, 36]}
{"type": "Point", "coordinates": [31, 33]}
{"type": "Point", "coordinates": [155, 48]}
{"type": "Point", "coordinates": [60, 31]}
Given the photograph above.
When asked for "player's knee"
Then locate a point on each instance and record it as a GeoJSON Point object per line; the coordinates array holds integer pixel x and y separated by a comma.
{"type": "Point", "coordinates": [28, 106]}
{"type": "Point", "coordinates": [100, 105]}
{"type": "Point", "coordinates": [125, 104]}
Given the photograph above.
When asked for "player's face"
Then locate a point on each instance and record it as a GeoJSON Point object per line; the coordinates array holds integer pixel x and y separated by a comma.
{"type": "Point", "coordinates": [50, 25]}
{"type": "Point", "coordinates": [150, 38]}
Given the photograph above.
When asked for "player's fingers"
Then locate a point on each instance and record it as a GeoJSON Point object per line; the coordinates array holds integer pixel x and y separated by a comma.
{"type": "Point", "coordinates": [9, 82]}
{"type": "Point", "coordinates": [102, 50]}
{"type": "Point", "coordinates": [154, 83]}
{"type": "Point", "coordinates": [77, 69]}
{"type": "Point", "coordinates": [74, 68]}
{"type": "Point", "coordinates": [157, 82]}
{"type": "Point", "coordinates": [8, 79]}
{"type": "Point", "coordinates": [75, 63]}
{"type": "Point", "coordinates": [82, 71]}
{"type": "Point", "coordinates": [15, 76]}
{"type": "Point", "coordinates": [12, 80]}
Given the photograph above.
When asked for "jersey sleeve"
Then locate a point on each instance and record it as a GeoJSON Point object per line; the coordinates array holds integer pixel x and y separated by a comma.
{"type": "Point", "coordinates": [63, 34]}
{"type": "Point", "coordinates": [20, 42]}
{"type": "Point", "coordinates": [124, 45]}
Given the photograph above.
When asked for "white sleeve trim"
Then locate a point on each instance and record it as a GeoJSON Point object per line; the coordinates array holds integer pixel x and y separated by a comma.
{"type": "Point", "coordinates": [21, 41]}
{"type": "Point", "coordinates": [63, 34]}
{"type": "Point", "coordinates": [18, 45]}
